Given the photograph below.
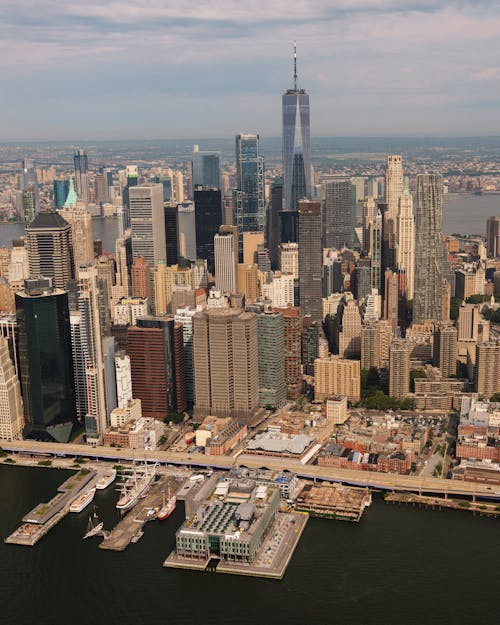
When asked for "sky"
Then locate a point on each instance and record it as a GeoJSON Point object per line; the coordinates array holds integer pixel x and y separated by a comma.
{"type": "Point", "coordinates": [109, 69]}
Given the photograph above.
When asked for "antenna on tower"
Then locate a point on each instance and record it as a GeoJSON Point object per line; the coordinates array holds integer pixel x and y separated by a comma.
{"type": "Point", "coordinates": [295, 65]}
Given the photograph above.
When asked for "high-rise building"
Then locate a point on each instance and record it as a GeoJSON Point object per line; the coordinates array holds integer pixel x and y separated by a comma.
{"type": "Point", "coordinates": [226, 258]}
{"type": "Point", "coordinates": [28, 203]}
{"type": "Point", "coordinates": [45, 360]}
{"type": "Point", "coordinates": [369, 214]}
{"type": "Point", "coordinates": [289, 259]}
{"type": "Point", "coordinates": [28, 181]}
{"type": "Point", "coordinates": [310, 259]}
{"type": "Point", "coordinates": [11, 404]}
{"type": "Point", "coordinates": [185, 316]}
{"type": "Point", "coordinates": [446, 349]}
{"type": "Point", "coordinates": [296, 145]}
{"type": "Point", "coordinates": [376, 337]}
{"type": "Point", "coordinates": [393, 185]}
{"type": "Point", "coordinates": [208, 217]}
{"type": "Point", "coordinates": [399, 369]}
{"type": "Point", "coordinates": [167, 280]}
{"type": "Point", "coordinates": [186, 224]}
{"type": "Point", "coordinates": [292, 330]}
{"type": "Point", "coordinates": [376, 252]}
{"type": "Point", "coordinates": [171, 234]}
{"type": "Point", "coordinates": [334, 376]}
{"type": "Point", "coordinates": [102, 187]}
{"type": "Point", "coordinates": [251, 243]}
{"type": "Point", "coordinates": [428, 284]}
{"type": "Point", "coordinates": [141, 279]}
{"type": "Point", "coordinates": [80, 220]}
{"type": "Point", "coordinates": [247, 282]}
{"type": "Point", "coordinates": [280, 289]}
{"type": "Point", "coordinates": [487, 369]}
{"type": "Point", "coordinates": [152, 348]}
{"type": "Point", "coordinates": [338, 213]}
{"type": "Point", "coordinates": [82, 175]}
{"type": "Point", "coordinates": [226, 370]}
{"type": "Point", "coordinates": [147, 224]}
{"type": "Point", "coordinates": [405, 250]}
{"type": "Point", "coordinates": [493, 237]}
{"type": "Point", "coordinates": [123, 375]}
{"type": "Point", "coordinates": [61, 190]}
{"type": "Point", "coordinates": [270, 331]}
{"type": "Point", "coordinates": [273, 221]}
{"type": "Point", "coordinates": [392, 299]}
{"type": "Point", "coordinates": [206, 168]}
{"type": "Point", "coordinates": [250, 181]}
{"type": "Point", "coordinates": [50, 248]}
{"type": "Point", "coordinates": [350, 334]}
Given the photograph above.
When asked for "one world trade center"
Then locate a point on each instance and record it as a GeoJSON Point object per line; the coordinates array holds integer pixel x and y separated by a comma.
{"type": "Point", "coordinates": [296, 144]}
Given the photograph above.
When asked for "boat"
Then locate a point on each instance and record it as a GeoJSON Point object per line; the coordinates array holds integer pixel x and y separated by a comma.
{"type": "Point", "coordinates": [83, 500]}
{"type": "Point", "coordinates": [167, 508]}
{"type": "Point", "coordinates": [94, 527]}
{"type": "Point", "coordinates": [136, 484]}
{"type": "Point", "coordinates": [106, 478]}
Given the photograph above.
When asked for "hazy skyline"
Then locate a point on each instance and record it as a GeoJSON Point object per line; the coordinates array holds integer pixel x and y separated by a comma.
{"type": "Point", "coordinates": [146, 68]}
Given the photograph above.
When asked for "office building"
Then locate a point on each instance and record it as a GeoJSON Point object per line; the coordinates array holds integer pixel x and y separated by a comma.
{"type": "Point", "coordinates": [393, 185]}
{"type": "Point", "coordinates": [184, 316]}
{"type": "Point", "coordinates": [334, 376]}
{"type": "Point", "coordinates": [226, 369]}
{"type": "Point", "coordinates": [376, 337]}
{"type": "Point", "coordinates": [350, 332]}
{"type": "Point", "coordinates": [270, 334]}
{"type": "Point", "coordinates": [493, 237]}
{"type": "Point", "coordinates": [206, 168]}
{"type": "Point", "coordinates": [128, 309]}
{"type": "Point", "coordinates": [123, 376]}
{"type": "Point", "coordinates": [45, 360]}
{"type": "Point", "coordinates": [168, 280]}
{"type": "Point", "coordinates": [405, 249]}
{"type": "Point", "coordinates": [79, 218]}
{"type": "Point", "coordinates": [252, 241]}
{"type": "Point", "coordinates": [50, 248]}
{"type": "Point", "coordinates": [446, 349]}
{"type": "Point", "coordinates": [141, 279]}
{"type": "Point", "coordinates": [279, 289]}
{"type": "Point", "coordinates": [296, 145]}
{"type": "Point", "coordinates": [250, 216]}
{"type": "Point", "coordinates": [247, 282]}
{"type": "Point", "coordinates": [11, 403]}
{"type": "Point", "coordinates": [310, 259]}
{"type": "Point", "coordinates": [82, 175]}
{"type": "Point", "coordinates": [338, 214]}
{"type": "Point", "coordinates": [487, 369]}
{"type": "Point", "coordinates": [171, 234]}
{"type": "Point", "coordinates": [28, 182]}
{"type": "Point", "coordinates": [289, 259]}
{"type": "Point", "coordinates": [208, 218]}
{"type": "Point", "coordinates": [275, 207]}
{"type": "Point", "coordinates": [186, 224]}
{"type": "Point", "coordinates": [292, 331]}
{"type": "Point", "coordinates": [226, 258]}
{"type": "Point", "coordinates": [399, 369]}
{"type": "Point", "coordinates": [428, 284]}
{"type": "Point", "coordinates": [28, 199]}
{"type": "Point", "coordinates": [369, 214]}
{"type": "Point", "coordinates": [376, 252]}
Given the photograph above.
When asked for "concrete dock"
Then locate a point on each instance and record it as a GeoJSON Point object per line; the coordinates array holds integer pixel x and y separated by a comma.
{"type": "Point", "coordinates": [271, 560]}
{"type": "Point", "coordinates": [131, 525]}
{"type": "Point", "coordinates": [45, 516]}
{"type": "Point", "coordinates": [480, 508]}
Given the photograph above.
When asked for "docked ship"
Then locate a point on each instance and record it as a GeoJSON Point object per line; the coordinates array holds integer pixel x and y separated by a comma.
{"type": "Point", "coordinates": [106, 478]}
{"type": "Point", "coordinates": [83, 500]}
{"type": "Point", "coordinates": [136, 484]}
{"type": "Point", "coordinates": [94, 527]}
{"type": "Point", "coordinates": [167, 508]}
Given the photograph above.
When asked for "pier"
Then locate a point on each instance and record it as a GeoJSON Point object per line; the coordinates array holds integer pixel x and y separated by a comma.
{"type": "Point", "coordinates": [130, 528]}
{"type": "Point", "coordinates": [480, 508]}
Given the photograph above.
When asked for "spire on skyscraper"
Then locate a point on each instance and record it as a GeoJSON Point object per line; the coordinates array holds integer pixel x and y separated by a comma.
{"type": "Point", "coordinates": [72, 196]}
{"type": "Point", "coordinates": [295, 65]}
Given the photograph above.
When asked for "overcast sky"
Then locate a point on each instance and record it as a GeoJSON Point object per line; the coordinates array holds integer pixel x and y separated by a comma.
{"type": "Point", "coordinates": [92, 69]}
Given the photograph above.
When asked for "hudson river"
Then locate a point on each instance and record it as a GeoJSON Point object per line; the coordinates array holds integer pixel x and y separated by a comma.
{"type": "Point", "coordinates": [399, 566]}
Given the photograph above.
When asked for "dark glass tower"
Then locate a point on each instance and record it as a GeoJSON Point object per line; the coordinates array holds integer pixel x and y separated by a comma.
{"type": "Point", "coordinates": [206, 169]}
{"type": "Point", "coordinates": [171, 234]}
{"type": "Point", "coordinates": [28, 180]}
{"type": "Point", "coordinates": [208, 218]}
{"type": "Point", "coordinates": [250, 181]}
{"type": "Point", "coordinates": [61, 190]}
{"type": "Point", "coordinates": [45, 360]}
{"type": "Point", "coordinates": [273, 238]}
{"type": "Point", "coordinates": [296, 144]}
{"type": "Point", "coordinates": [310, 259]}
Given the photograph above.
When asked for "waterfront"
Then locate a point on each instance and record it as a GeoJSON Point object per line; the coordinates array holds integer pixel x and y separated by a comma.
{"type": "Point", "coordinates": [400, 564]}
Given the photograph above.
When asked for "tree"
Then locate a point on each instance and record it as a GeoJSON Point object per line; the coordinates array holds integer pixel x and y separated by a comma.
{"type": "Point", "coordinates": [495, 397]}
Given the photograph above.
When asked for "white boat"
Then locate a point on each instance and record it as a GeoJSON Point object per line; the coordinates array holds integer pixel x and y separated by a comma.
{"type": "Point", "coordinates": [134, 486]}
{"type": "Point", "coordinates": [83, 500]}
{"type": "Point", "coordinates": [106, 478]}
{"type": "Point", "coordinates": [94, 527]}
{"type": "Point", "coordinates": [167, 508]}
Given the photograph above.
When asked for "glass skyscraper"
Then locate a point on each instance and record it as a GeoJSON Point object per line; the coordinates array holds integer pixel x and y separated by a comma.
{"type": "Point", "coordinates": [250, 217]}
{"type": "Point", "coordinates": [206, 169]}
{"type": "Point", "coordinates": [296, 145]}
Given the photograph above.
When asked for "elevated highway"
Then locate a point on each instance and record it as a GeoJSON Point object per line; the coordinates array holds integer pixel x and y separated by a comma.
{"type": "Point", "coordinates": [379, 481]}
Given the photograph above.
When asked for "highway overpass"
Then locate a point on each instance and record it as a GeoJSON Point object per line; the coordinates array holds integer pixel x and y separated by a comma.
{"type": "Point", "coordinates": [380, 481]}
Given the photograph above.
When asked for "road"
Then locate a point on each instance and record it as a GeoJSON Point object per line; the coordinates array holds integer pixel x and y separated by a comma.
{"type": "Point", "coordinates": [384, 481]}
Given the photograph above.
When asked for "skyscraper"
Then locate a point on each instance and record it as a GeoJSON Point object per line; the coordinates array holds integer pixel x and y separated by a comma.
{"type": "Point", "coordinates": [273, 222]}
{"type": "Point", "coordinates": [186, 225]}
{"type": "Point", "coordinates": [171, 234]}
{"type": "Point", "coordinates": [405, 250]}
{"type": "Point", "coordinates": [338, 214]}
{"type": "Point", "coordinates": [296, 144]}
{"type": "Point", "coordinates": [310, 259]}
{"type": "Point", "coordinates": [79, 218]}
{"type": "Point", "coordinates": [45, 360]}
{"type": "Point", "coordinates": [487, 369]}
{"type": "Point", "coordinates": [393, 185]}
{"type": "Point", "coordinates": [50, 248]}
{"type": "Point", "coordinates": [61, 190]}
{"type": "Point", "coordinates": [226, 258]}
{"type": "Point", "coordinates": [206, 167]}
{"type": "Point", "coordinates": [399, 369]}
{"type": "Point", "coordinates": [184, 316]}
{"type": "Point", "coordinates": [82, 175]}
{"type": "Point", "coordinates": [226, 369]}
{"type": "Point", "coordinates": [28, 181]}
{"type": "Point", "coordinates": [270, 331]}
{"type": "Point", "coordinates": [11, 404]}
{"type": "Point", "coordinates": [376, 252]}
{"type": "Point", "coordinates": [292, 327]}
{"type": "Point", "coordinates": [208, 218]}
{"type": "Point", "coordinates": [446, 349]}
{"type": "Point", "coordinates": [493, 237]}
{"type": "Point", "coordinates": [428, 285]}
{"type": "Point", "coordinates": [250, 215]}
{"type": "Point", "coordinates": [147, 223]}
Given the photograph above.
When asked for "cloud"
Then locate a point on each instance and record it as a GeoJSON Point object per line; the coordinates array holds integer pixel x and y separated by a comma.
{"type": "Point", "coordinates": [387, 65]}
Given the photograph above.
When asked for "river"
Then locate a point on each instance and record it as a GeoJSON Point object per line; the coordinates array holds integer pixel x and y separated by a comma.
{"type": "Point", "coordinates": [398, 565]}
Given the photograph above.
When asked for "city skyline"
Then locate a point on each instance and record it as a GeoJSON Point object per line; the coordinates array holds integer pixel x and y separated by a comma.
{"type": "Point", "coordinates": [381, 53]}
